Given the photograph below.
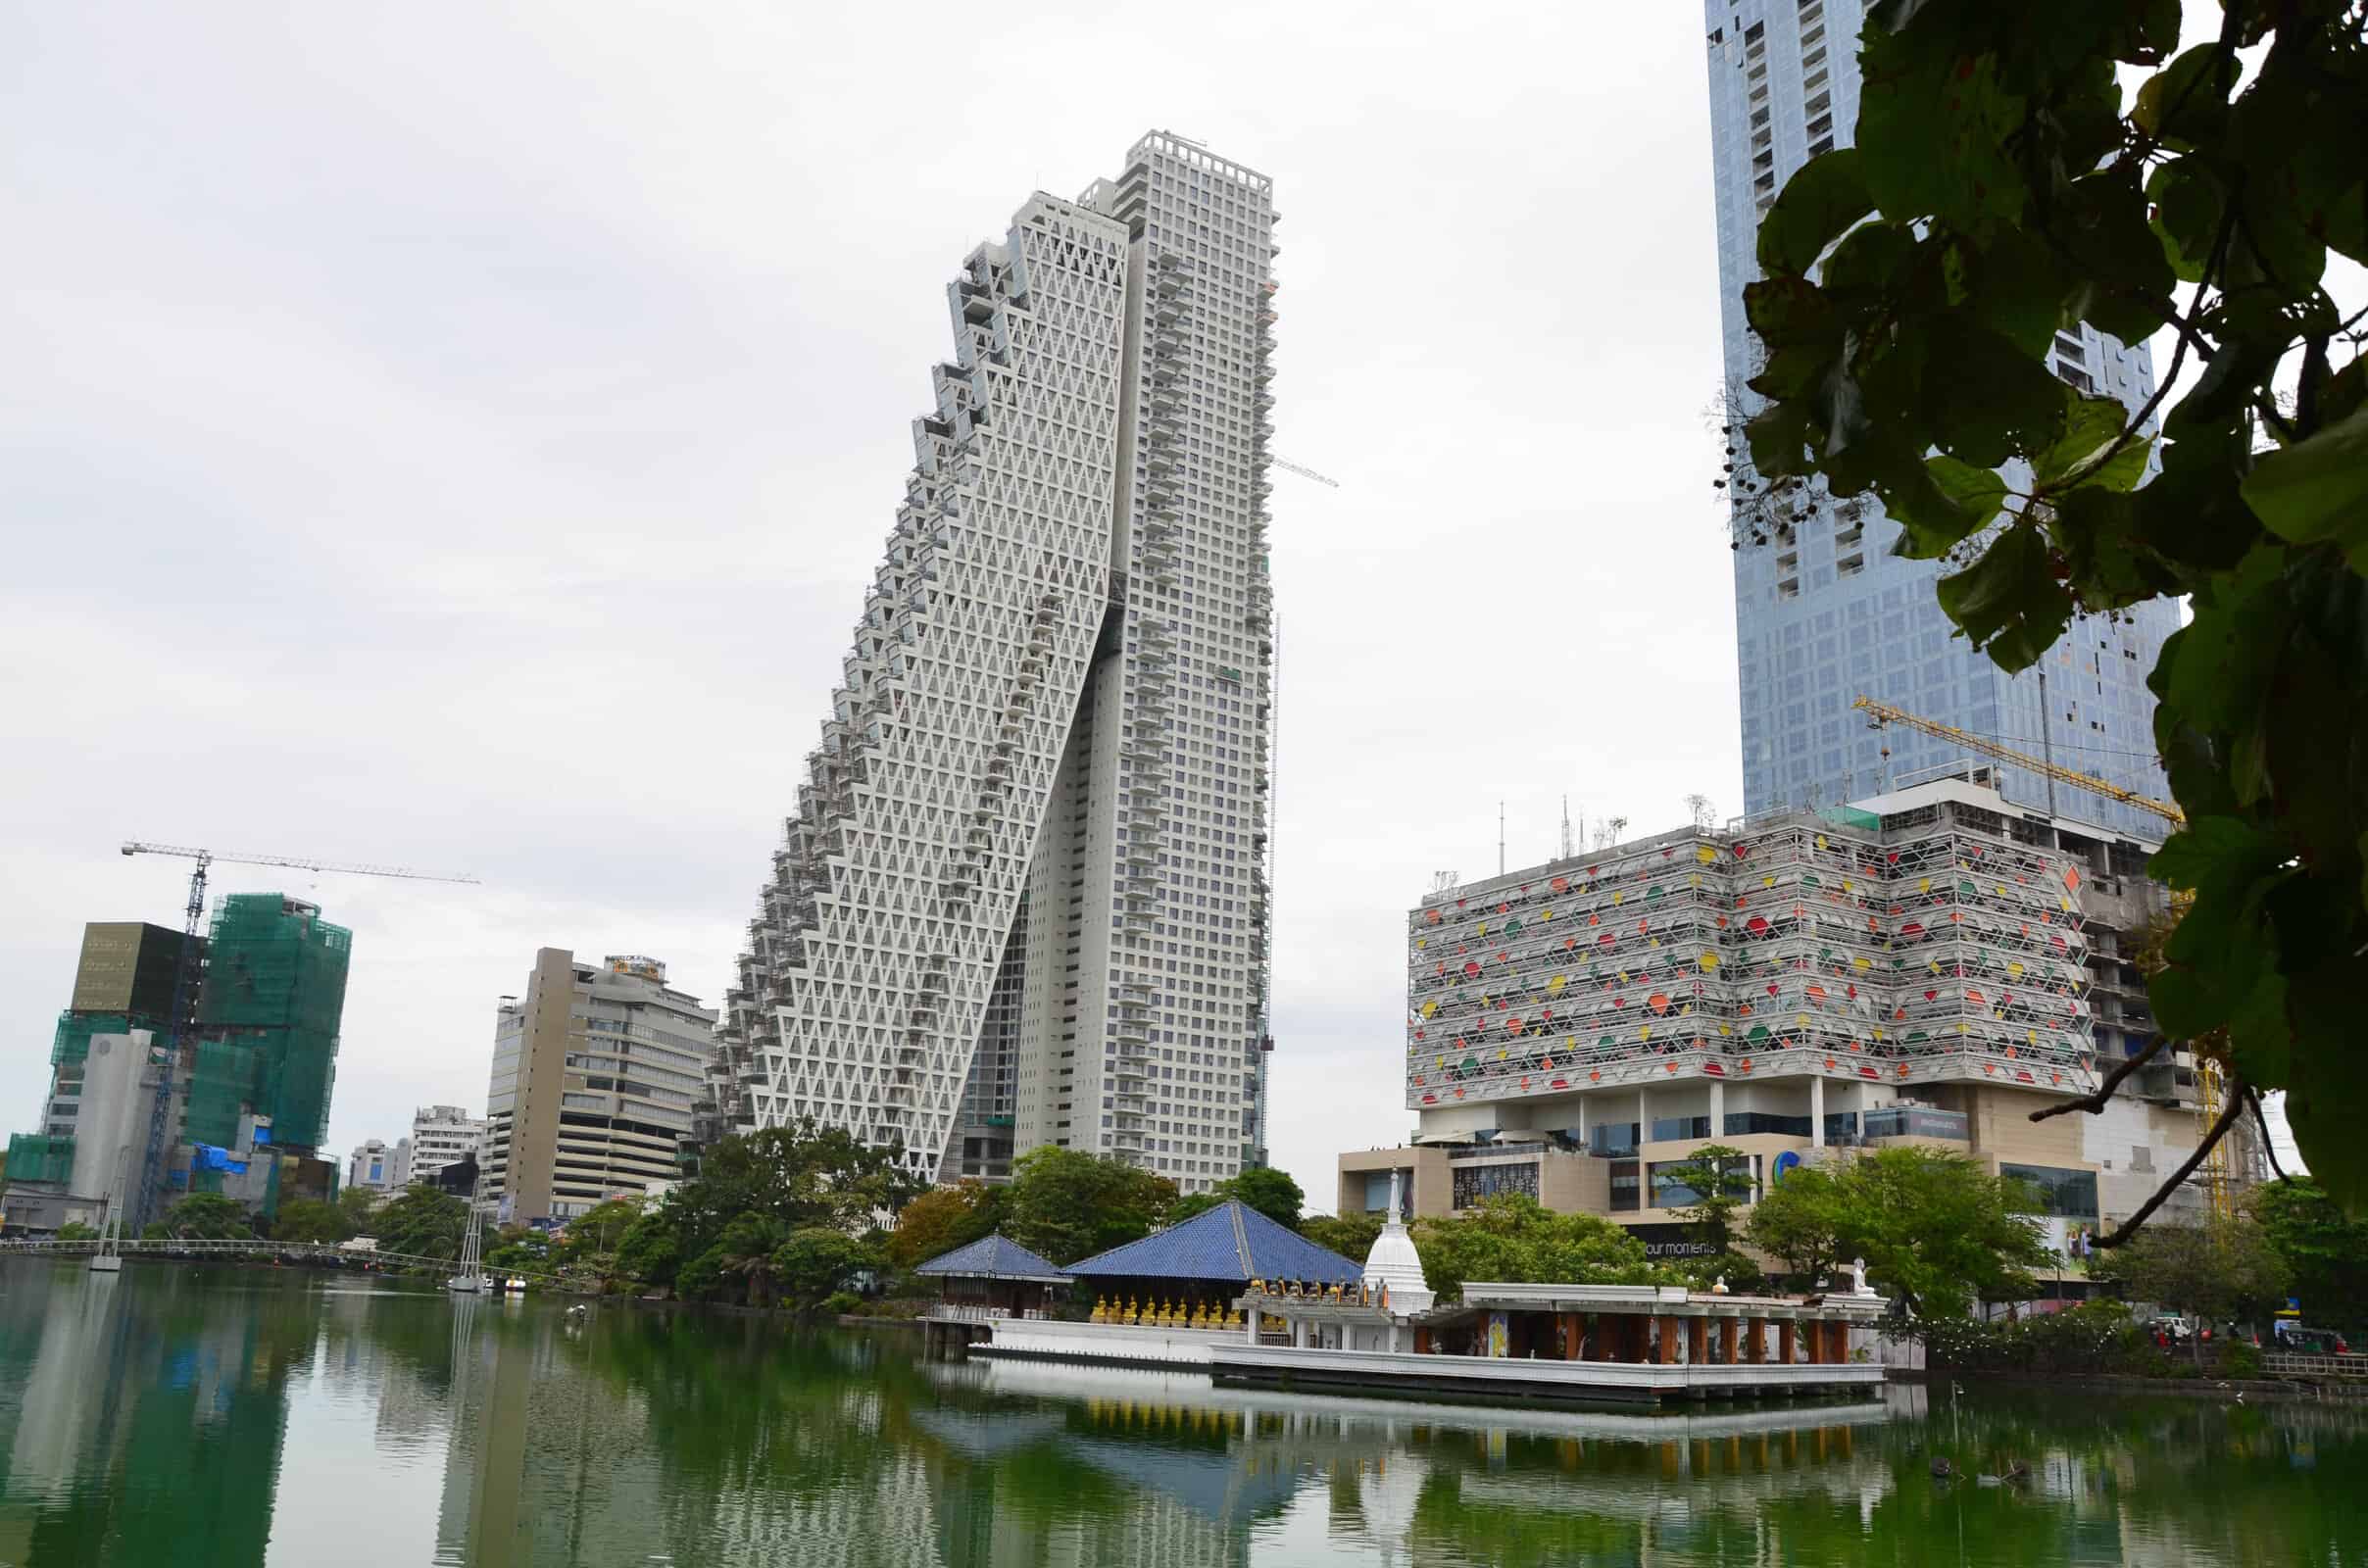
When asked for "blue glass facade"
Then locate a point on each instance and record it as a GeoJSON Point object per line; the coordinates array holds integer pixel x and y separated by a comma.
{"type": "Point", "coordinates": [1831, 613]}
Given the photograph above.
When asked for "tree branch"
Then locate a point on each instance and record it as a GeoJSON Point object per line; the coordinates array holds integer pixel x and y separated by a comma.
{"type": "Point", "coordinates": [2236, 1100]}
{"type": "Point", "coordinates": [2095, 1103]}
{"type": "Point", "coordinates": [2269, 1147]}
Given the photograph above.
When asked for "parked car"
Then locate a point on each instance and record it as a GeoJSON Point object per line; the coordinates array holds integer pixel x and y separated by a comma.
{"type": "Point", "coordinates": [2303, 1341]}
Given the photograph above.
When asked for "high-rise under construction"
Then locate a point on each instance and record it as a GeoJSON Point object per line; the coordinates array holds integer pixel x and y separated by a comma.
{"type": "Point", "coordinates": [1023, 900]}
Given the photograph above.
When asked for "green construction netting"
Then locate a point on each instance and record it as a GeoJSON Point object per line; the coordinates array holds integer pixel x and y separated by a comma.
{"type": "Point", "coordinates": [39, 1157]}
{"type": "Point", "coordinates": [276, 983]}
{"type": "Point", "coordinates": [221, 1084]}
{"type": "Point", "coordinates": [75, 1030]}
{"type": "Point", "coordinates": [1852, 817]}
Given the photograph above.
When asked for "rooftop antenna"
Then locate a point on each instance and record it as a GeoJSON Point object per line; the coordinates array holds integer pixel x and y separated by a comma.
{"type": "Point", "coordinates": [1568, 852]}
{"type": "Point", "coordinates": [1500, 838]}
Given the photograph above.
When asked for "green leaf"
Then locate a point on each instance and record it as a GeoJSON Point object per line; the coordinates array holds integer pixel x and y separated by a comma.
{"type": "Point", "coordinates": [2102, 223]}
{"type": "Point", "coordinates": [2009, 602]}
{"type": "Point", "coordinates": [1788, 311]}
{"type": "Point", "coordinates": [1779, 440]}
{"type": "Point", "coordinates": [2187, 203]}
{"type": "Point", "coordinates": [1939, 503]}
{"type": "Point", "coordinates": [1868, 261]}
{"type": "Point", "coordinates": [2015, 287]}
{"type": "Point", "coordinates": [2214, 852]}
{"type": "Point", "coordinates": [1993, 402]}
{"type": "Point", "coordinates": [1823, 198]}
{"type": "Point", "coordinates": [2318, 489]}
{"type": "Point", "coordinates": [2091, 427]}
{"type": "Point", "coordinates": [2187, 101]}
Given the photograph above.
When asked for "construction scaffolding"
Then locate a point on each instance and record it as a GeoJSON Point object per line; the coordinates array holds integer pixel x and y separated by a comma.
{"type": "Point", "coordinates": [38, 1157]}
{"type": "Point", "coordinates": [1795, 943]}
{"type": "Point", "coordinates": [274, 987]}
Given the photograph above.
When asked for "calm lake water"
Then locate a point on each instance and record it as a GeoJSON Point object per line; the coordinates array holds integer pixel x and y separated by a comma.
{"type": "Point", "coordinates": [201, 1418]}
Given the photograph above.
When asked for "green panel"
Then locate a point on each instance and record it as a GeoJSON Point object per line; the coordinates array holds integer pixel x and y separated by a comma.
{"type": "Point", "coordinates": [276, 977]}
{"type": "Point", "coordinates": [221, 1085]}
{"type": "Point", "coordinates": [75, 1029]}
{"type": "Point", "coordinates": [39, 1157]}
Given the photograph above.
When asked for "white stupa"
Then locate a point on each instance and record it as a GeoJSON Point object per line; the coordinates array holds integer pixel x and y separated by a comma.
{"type": "Point", "coordinates": [1393, 1265]}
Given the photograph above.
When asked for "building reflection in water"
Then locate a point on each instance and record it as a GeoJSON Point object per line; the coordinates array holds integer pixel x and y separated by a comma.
{"type": "Point", "coordinates": [212, 1418]}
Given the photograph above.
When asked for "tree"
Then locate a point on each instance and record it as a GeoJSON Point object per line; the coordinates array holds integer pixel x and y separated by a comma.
{"type": "Point", "coordinates": [1720, 1179]}
{"type": "Point", "coordinates": [518, 1249]}
{"type": "Point", "coordinates": [1350, 1234]}
{"type": "Point", "coordinates": [421, 1222]}
{"type": "Point", "coordinates": [73, 1230]}
{"type": "Point", "coordinates": [816, 1262]}
{"type": "Point", "coordinates": [592, 1236]}
{"type": "Point", "coordinates": [2324, 1249]}
{"type": "Point", "coordinates": [357, 1205]}
{"type": "Point", "coordinates": [651, 1248]}
{"type": "Point", "coordinates": [208, 1217]}
{"type": "Point", "coordinates": [1511, 1238]}
{"type": "Point", "coordinates": [2220, 1271]}
{"type": "Point", "coordinates": [308, 1219]}
{"type": "Point", "coordinates": [1936, 1229]}
{"type": "Point", "coordinates": [942, 1220]}
{"type": "Point", "coordinates": [1271, 1192]}
{"type": "Point", "coordinates": [2001, 189]}
{"type": "Point", "coordinates": [1064, 1203]}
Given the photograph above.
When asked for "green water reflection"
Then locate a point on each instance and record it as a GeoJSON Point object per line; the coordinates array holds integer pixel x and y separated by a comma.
{"type": "Point", "coordinates": [216, 1417]}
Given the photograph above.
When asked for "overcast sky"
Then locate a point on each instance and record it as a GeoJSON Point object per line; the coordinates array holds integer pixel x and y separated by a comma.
{"type": "Point", "coordinates": [459, 440]}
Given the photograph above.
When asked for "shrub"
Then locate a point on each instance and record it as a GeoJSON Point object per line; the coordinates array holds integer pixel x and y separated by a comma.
{"type": "Point", "coordinates": [2092, 1337]}
{"type": "Point", "coordinates": [841, 1302]}
{"type": "Point", "coordinates": [2242, 1361]}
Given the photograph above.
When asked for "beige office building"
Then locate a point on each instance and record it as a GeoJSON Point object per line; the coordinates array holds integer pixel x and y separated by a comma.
{"type": "Point", "coordinates": [595, 1073]}
{"type": "Point", "coordinates": [1930, 967]}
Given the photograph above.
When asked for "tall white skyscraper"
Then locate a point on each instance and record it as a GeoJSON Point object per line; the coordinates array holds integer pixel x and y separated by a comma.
{"type": "Point", "coordinates": [1830, 613]}
{"type": "Point", "coordinates": [1023, 900]}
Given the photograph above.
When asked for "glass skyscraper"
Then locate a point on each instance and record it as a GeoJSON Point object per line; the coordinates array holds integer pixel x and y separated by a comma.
{"type": "Point", "coordinates": [1023, 900]}
{"type": "Point", "coordinates": [1830, 614]}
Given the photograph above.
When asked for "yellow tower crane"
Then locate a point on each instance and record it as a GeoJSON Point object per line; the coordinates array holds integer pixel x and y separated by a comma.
{"type": "Point", "coordinates": [2217, 1183]}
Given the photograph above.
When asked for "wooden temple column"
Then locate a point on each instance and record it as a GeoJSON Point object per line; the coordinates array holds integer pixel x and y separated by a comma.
{"type": "Point", "coordinates": [1670, 1329]}
{"type": "Point", "coordinates": [1726, 1338]}
{"type": "Point", "coordinates": [1698, 1340]}
{"type": "Point", "coordinates": [1574, 1336]}
{"type": "Point", "coordinates": [1787, 1340]}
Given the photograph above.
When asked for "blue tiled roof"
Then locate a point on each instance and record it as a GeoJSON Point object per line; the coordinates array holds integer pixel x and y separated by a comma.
{"type": "Point", "coordinates": [991, 1257]}
{"type": "Point", "coordinates": [1231, 1242]}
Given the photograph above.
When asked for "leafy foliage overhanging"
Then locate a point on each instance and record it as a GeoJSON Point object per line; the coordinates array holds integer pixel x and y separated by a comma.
{"type": "Point", "coordinates": [2000, 189]}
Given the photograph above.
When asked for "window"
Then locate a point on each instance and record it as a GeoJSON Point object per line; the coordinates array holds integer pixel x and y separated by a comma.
{"type": "Point", "coordinates": [1624, 1188]}
{"type": "Point", "coordinates": [2063, 1194]}
{"type": "Point", "coordinates": [1475, 1184]}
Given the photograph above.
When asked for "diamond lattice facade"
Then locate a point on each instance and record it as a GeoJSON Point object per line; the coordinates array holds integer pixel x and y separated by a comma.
{"type": "Point", "coordinates": [1024, 900]}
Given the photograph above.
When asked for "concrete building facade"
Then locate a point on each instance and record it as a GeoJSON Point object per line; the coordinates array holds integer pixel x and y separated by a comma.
{"type": "Point", "coordinates": [1024, 898]}
{"type": "Point", "coordinates": [380, 1166]}
{"type": "Point", "coordinates": [441, 1134]}
{"type": "Point", "coordinates": [1930, 967]}
{"type": "Point", "coordinates": [596, 1070]}
{"type": "Point", "coordinates": [1826, 613]}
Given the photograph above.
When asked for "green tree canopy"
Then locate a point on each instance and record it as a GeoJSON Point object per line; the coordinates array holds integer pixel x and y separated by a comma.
{"type": "Point", "coordinates": [358, 1205]}
{"type": "Point", "coordinates": [1720, 1180]}
{"type": "Point", "coordinates": [1271, 1192]}
{"type": "Point", "coordinates": [942, 1220]}
{"type": "Point", "coordinates": [2326, 1250]}
{"type": "Point", "coordinates": [1066, 1204]}
{"type": "Point", "coordinates": [208, 1217]}
{"type": "Point", "coordinates": [816, 1262]}
{"type": "Point", "coordinates": [2219, 1271]}
{"type": "Point", "coordinates": [73, 1230]}
{"type": "Point", "coordinates": [1350, 1234]}
{"type": "Point", "coordinates": [310, 1219]}
{"type": "Point", "coordinates": [420, 1221]}
{"type": "Point", "coordinates": [1938, 1232]}
{"type": "Point", "coordinates": [1511, 1238]}
{"type": "Point", "coordinates": [595, 1233]}
{"type": "Point", "coordinates": [2003, 188]}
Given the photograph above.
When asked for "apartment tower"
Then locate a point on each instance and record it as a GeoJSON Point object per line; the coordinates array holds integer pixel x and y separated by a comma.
{"type": "Point", "coordinates": [595, 1073]}
{"type": "Point", "coordinates": [1828, 613]}
{"type": "Point", "coordinates": [1024, 900]}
